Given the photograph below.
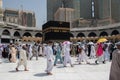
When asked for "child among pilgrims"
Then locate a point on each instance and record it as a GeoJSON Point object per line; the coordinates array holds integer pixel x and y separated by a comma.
{"type": "Point", "coordinates": [82, 55]}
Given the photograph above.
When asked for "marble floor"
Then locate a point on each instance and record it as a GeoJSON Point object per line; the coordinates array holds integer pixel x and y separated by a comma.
{"type": "Point", "coordinates": [37, 71]}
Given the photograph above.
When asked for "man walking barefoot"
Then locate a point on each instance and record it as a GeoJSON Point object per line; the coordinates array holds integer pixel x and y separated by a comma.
{"type": "Point", "coordinates": [23, 58]}
{"type": "Point", "coordinates": [50, 58]}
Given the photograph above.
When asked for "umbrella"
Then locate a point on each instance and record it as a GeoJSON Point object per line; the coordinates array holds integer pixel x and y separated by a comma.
{"type": "Point", "coordinates": [102, 40]}
{"type": "Point", "coordinates": [66, 42]}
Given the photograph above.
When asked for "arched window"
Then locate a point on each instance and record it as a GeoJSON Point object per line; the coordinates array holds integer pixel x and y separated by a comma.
{"type": "Point", "coordinates": [80, 35]}
{"type": "Point", "coordinates": [27, 34]}
{"type": "Point", "coordinates": [103, 33]}
{"type": "Point", "coordinates": [92, 34]}
{"type": "Point", "coordinates": [38, 35]}
{"type": "Point", "coordinates": [6, 32]}
{"type": "Point", "coordinates": [71, 35]}
{"type": "Point", "coordinates": [115, 32]}
{"type": "Point", "coordinates": [17, 34]}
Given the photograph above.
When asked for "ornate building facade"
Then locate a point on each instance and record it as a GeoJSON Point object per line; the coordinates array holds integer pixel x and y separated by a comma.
{"type": "Point", "coordinates": [91, 19]}
{"type": "Point", "coordinates": [64, 14]}
{"type": "Point", "coordinates": [24, 18]}
{"type": "Point", "coordinates": [82, 8]}
{"type": "Point", "coordinates": [11, 32]}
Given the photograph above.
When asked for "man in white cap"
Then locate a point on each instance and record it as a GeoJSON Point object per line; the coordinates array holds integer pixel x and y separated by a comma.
{"type": "Point", "coordinates": [50, 58]}
{"type": "Point", "coordinates": [115, 66]}
{"type": "Point", "coordinates": [23, 58]}
{"type": "Point", "coordinates": [67, 57]}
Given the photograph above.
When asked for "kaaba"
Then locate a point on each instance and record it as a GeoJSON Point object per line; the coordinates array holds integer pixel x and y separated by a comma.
{"type": "Point", "coordinates": [56, 30]}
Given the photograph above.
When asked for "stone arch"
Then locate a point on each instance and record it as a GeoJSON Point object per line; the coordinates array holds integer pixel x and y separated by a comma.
{"type": "Point", "coordinates": [81, 35]}
{"type": "Point", "coordinates": [71, 35]}
{"type": "Point", "coordinates": [92, 34]}
{"type": "Point", "coordinates": [115, 32]}
{"type": "Point", "coordinates": [6, 32]}
{"type": "Point", "coordinates": [38, 35]}
{"type": "Point", "coordinates": [27, 34]}
{"type": "Point", "coordinates": [103, 33]}
{"type": "Point", "coordinates": [16, 34]}
{"type": "Point", "coordinates": [6, 37]}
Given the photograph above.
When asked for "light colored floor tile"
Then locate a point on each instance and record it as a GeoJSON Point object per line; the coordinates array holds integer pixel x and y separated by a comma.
{"type": "Point", "coordinates": [37, 68]}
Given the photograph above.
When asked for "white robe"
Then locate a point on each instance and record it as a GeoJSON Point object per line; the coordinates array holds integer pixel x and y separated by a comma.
{"type": "Point", "coordinates": [44, 50]}
{"type": "Point", "coordinates": [23, 58]}
{"type": "Point", "coordinates": [93, 52]}
{"type": "Point", "coordinates": [30, 51]}
{"type": "Point", "coordinates": [40, 51]}
{"type": "Point", "coordinates": [107, 54]}
{"type": "Point", "coordinates": [67, 57]}
{"type": "Point", "coordinates": [82, 56]}
{"type": "Point", "coordinates": [50, 58]}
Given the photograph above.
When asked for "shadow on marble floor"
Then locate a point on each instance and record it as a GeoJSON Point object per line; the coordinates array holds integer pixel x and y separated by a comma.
{"type": "Point", "coordinates": [40, 75]}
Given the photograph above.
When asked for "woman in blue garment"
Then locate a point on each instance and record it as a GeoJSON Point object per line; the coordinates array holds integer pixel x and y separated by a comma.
{"type": "Point", "coordinates": [58, 54]}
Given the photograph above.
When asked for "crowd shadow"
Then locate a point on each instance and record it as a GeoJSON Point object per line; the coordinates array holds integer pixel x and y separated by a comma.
{"type": "Point", "coordinates": [60, 67]}
{"type": "Point", "coordinates": [76, 64]}
{"type": "Point", "coordinates": [40, 75]}
{"type": "Point", "coordinates": [14, 71]}
{"type": "Point", "coordinates": [93, 64]}
{"type": "Point", "coordinates": [85, 64]}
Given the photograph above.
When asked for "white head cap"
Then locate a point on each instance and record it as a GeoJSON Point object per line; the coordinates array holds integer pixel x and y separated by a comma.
{"type": "Point", "coordinates": [23, 44]}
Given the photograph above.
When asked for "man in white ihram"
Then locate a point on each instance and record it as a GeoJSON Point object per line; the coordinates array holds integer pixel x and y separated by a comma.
{"type": "Point", "coordinates": [50, 58]}
{"type": "Point", "coordinates": [23, 58]}
{"type": "Point", "coordinates": [67, 57]}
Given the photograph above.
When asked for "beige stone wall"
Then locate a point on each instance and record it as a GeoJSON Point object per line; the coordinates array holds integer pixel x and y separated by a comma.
{"type": "Point", "coordinates": [64, 14]}
{"type": "Point", "coordinates": [0, 3]}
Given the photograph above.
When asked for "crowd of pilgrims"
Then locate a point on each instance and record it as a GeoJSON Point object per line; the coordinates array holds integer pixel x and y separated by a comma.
{"type": "Point", "coordinates": [102, 52]}
{"type": "Point", "coordinates": [62, 51]}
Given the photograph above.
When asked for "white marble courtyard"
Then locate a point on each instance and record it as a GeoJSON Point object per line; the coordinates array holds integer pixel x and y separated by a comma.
{"type": "Point", "coordinates": [37, 68]}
